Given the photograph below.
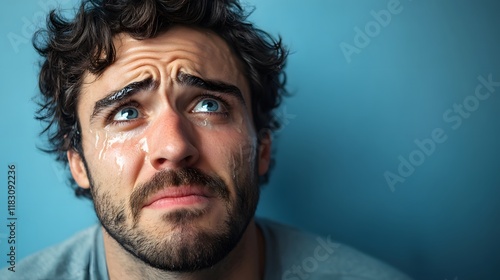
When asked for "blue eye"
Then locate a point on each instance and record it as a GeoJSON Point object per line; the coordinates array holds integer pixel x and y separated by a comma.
{"type": "Point", "coordinates": [207, 105]}
{"type": "Point", "coordinates": [127, 113]}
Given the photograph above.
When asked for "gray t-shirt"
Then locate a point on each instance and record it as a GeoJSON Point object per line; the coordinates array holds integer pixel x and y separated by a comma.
{"type": "Point", "coordinates": [290, 255]}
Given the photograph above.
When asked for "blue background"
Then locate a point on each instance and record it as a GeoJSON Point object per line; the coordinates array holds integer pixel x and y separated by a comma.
{"type": "Point", "coordinates": [346, 125]}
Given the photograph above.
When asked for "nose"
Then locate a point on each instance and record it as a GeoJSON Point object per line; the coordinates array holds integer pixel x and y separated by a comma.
{"type": "Point", "coordinates": [171, 142]}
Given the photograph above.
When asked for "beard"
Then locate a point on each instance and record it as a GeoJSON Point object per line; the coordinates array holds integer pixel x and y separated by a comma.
{"type": "Point", "coordinates": [189, 248]}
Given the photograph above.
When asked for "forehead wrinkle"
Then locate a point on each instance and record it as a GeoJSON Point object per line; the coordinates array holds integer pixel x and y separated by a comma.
{"type": "Point", "coordinates": [199, 44]}
{"type": "Point", "coordinates": [154, 46]}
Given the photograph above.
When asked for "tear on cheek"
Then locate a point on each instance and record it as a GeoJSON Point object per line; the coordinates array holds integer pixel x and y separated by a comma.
{"type": "Point", "coordinates": [238, 129]}
{"type": "Point", "coordinates": [96, 140]}
{"type": "Point", "coordinates": [100, 144]}
{"type": "Point", "coordinates": [205, 123]}
{"type": "Point", "coordinates": [244, 126]}
{"type": "Point", "coordinates": [143, 145]}
{"type": "Point", "coordinates": [120, 162]}
{"type": "Point", "coordinates": [242, 160]}
{"type": "Point", "coordinates": [247, 152]}
{"type": "Point", "coordinates": [111, 143]}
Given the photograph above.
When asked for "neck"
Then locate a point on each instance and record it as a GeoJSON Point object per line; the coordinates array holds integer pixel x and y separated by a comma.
{"type": "Point", "coordinates": [245, 261]}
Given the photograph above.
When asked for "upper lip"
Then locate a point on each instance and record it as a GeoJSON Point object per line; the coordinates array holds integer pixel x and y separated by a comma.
{"type": "Point", "coordinates": [180, 191]}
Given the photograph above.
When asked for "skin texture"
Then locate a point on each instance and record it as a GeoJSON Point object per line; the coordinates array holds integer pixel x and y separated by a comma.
{"type": "Point", "coordinates": [166, 136]}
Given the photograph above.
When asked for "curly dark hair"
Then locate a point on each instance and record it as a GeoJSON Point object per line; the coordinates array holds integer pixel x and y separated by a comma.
{"type": "Point", "coordinates": [71, 47]}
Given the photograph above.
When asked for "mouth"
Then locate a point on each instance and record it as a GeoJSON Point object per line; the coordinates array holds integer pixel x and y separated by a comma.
{"type": "Point", "coordinates": [181, 196]}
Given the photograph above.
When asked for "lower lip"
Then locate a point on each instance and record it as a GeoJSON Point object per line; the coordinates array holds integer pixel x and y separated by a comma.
{"type": "Point", "coordinates": [181, 201]}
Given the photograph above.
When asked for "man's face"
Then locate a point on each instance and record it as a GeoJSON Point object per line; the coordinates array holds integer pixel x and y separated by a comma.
{"type": "Point", "coordinates": [169, 148]}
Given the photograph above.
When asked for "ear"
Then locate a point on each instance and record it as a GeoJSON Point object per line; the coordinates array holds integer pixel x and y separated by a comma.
{"type": "Point", "coordinates": [264, 155]}
{"type": "Point", "coordinates": [77, 169]}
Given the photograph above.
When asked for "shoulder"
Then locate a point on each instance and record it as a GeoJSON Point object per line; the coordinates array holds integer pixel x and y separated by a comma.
{"type": "Point", "coordinates": [67, 260]}
{"type": "Point", "coordinates": [293, 254]}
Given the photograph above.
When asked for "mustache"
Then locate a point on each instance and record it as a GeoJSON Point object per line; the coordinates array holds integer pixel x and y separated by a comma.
{"type": "Point", "coordinates": [175, 178]}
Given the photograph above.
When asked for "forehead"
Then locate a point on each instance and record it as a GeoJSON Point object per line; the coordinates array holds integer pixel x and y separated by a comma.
{"type": "Point", "coordinates": [195, 51]}
{"type": "Point", "coordinates": [199, 49]}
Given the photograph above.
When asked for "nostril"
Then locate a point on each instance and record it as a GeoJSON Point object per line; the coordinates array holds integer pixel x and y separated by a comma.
{"type": "Point", "coordinates": [189, 159]}
{"type": "Point", "coordinates": [161, 161]}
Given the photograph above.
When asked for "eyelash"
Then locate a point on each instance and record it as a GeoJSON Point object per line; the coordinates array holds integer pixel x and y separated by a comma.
{"type": "Point", "coordinates": [120, 106]}
{"type": "Point", "coordinates": [226, 106]}
{"type": "Point", "coordinates": [131, 103]}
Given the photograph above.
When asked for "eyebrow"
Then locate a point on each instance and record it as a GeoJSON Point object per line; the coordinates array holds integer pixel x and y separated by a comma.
{"type": "Point", "coordinates": [185, 79]}
{"type": "Point", "coordinates": [122, 94]}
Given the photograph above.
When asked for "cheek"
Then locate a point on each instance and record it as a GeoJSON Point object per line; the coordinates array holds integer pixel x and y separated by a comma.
{"type": "Point", "coordinates": [115, 158]}
{"type": "Point", "coordinates": [247, 145]}
{"type": "Point", "coordinates": [230, 152]}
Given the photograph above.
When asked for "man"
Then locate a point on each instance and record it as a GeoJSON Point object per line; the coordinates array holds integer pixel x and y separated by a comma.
{"type": "Point", "coordinates": [163, 112]}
